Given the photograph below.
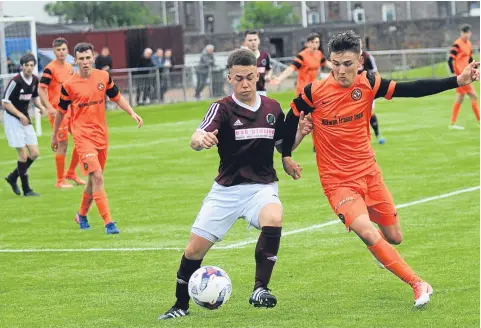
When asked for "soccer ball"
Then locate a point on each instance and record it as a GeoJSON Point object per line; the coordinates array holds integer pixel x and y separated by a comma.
{"type": "Point", "coordinates": [210, 287]}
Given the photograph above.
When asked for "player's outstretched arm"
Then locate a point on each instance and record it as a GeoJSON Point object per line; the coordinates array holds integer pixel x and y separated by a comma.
{"type": "Point", "coordinates": [284, 75]}
{"type": "Point", "coordinates": [204, 140]}
{"type": "Point", "coordinates": [125, 106]}
{"type": "Point", "coordinates": [422, 88]}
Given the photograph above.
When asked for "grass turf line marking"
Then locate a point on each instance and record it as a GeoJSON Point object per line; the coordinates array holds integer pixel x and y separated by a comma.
{"type": "Point", "coordinates": [234, 245]}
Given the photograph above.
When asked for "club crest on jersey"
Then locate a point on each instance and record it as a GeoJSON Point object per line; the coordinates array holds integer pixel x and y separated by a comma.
{"type": "Point", "coordinates": [264, 62]}
{"type": "Point", "coordinates": [101, 86]}
{"type": "Point", "coordinates": [271, 119]}
{"type": "Point", "coordinates": [86, 166]}
{"type": "Point", "coordinates": [356, 94]}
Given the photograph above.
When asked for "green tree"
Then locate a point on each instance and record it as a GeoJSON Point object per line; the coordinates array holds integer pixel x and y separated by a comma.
{"type": "Point", "coordinates": [102, 13]}
{"type": "Point", "coordinates": [257, 14]}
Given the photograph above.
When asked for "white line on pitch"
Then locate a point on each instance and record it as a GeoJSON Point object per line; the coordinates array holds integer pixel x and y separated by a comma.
{"type": "Point", "coordinates": [231, 246]}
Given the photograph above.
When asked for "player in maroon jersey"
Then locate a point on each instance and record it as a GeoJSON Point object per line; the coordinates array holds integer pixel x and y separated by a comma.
{"type": "Point", "coordinates": [252, 42]}
{"type": "Point", "coordinates": [246, 127]}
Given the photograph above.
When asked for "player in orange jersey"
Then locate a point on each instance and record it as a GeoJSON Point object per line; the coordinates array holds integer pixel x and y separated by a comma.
{"type": "Point", "coordinates": [83, 95]}
{"type": "Point", "coordinates": [460, 57]}
{"type": "Point", "coordinates": [307, 64]}
{"type": "Point", "coordinates": [341, 109]}
{"type": "Point", "coordinates": [54, 74]}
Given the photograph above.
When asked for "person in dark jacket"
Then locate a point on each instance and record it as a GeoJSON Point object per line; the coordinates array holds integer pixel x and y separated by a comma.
{"type": "Point", "coordinates": [144, 82]}
{"type": "Point", "coordinates": [202, 71]}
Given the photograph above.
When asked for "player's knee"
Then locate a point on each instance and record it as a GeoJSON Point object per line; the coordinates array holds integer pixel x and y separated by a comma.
{"type": "Point", "coordinates": [97, 178]}
{"type": "Point", "coordinates": [271, 216]}
{"type": "Point", "coordinates": [473, 96]}
{"type": "Point", "coordinates": [62, 147]}
{"type": "Point", "coordinates": [194, 251]}
{"type": "Point", "coordinates": [369, 236]}
{"type": "Point", "coordinates": [395, 239]}
{"type": "Point", "coordinates": [34, 155]}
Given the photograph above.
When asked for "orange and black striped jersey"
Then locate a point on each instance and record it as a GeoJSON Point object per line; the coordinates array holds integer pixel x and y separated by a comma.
{"type": "Point", "coordinates": [86, 97]}
{"type": "Point", "coordinates": [53, 76]}
{"type": "Point", "coordinates": [307, 64]}
{"type": "Point", "coordinates": [461, 53]}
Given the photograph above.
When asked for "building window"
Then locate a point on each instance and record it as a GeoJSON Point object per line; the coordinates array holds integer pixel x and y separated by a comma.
{"type": "Point", "coordinates": [313, 18]}
{"type": "Point", "coordinates": [473, 8]}
{"type": "Point", "coordinates": [333, 10]}
{"type": "Point", "coordinates": [388, 12]}
{"type": "Point", "coordinates": [189, 14]}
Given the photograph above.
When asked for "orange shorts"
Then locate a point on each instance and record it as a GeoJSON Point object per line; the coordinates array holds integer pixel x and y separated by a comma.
{"type": "Point", "coordinates": [366, 195]}
{"type": "Point", "coordinates": [465, 89]}
{"type": "Point", "coordinates": [91, 159]}
{"type": "Point", "coordinates": [64, 128]}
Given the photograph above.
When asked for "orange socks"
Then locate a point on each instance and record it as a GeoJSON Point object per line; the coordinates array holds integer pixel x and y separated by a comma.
{"type": "Point", "coordinates": [475, 106]}
{"type": "Point", "coordinates": [454, 116]}
{"type": "Point", "coordinates": [390, 258]}
{"type": "Point", "coordinates": [100, 198]}
{"type": "Point", "coordinates": [73, 162]}
{"type": "Point", "coordinates": [60, 161]}
{"type": "Point", "coordinates": [85, 204]}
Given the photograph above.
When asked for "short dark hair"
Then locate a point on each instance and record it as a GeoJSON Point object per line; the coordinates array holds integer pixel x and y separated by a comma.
{"type": "Point", "coordinates": [82, 47]}
{"type": "Point", "coordinates": [58, 42]}
{"type": "Point", "coordinates": [345, 41]}
{"type": "Point", "coordinates": [241, 57]}
{"type": "Point", "coordinates": [313, 36]}
{"type": "Point", "coordinates": [251, 32]}
{"type": "Point", "coordinates": [28, 58]}
{"type": "Point", "coordinates": [465, 28]}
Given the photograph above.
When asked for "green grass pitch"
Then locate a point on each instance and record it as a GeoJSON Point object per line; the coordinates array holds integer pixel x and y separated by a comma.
{"type": "Point", "coordinates": [324, 277]}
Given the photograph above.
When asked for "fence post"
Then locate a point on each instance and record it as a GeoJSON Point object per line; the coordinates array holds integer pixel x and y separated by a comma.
{"type": "Point", "coordinates": [184, 83]}
{"type": "Point", "coordinates": [211, 84]}
{"type": "Point", "coordinates": [157, 84]}
{"type": "Point", "coordinates": [404, 63]}
{"type": "Point", "coordinates": [131, 87]}
{"type": "Point", "coordinates": [433, 70]}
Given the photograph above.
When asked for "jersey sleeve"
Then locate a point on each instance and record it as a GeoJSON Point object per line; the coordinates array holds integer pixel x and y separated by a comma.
{"type": "Point", "coordinates": [454, 51]}
{"type": "Point", "coordinates": [279, 133]}
{"type": "Point", "coordinates": [323, 59]}
{"type": "Point", "coordinates": [46, 78]}
{"type": "Point", "coordinates": [65, 100]}
{"type": "Point", "coordinates": [10, 92]}
{"type": "Point", "coordinates": [112, 90]}
{"type": "Point", "coordinates": [268, 63]}
{"type": "Point", "coordinates": [304, 102]}
{"type": "Point", "coordinates": [381, 87]}
{"type": "Point", "coordinates": [213, 119]}
{"type": "Point", "coordinates": [298, 62]}
{"type": "Point", "coordinates": [35, 90]}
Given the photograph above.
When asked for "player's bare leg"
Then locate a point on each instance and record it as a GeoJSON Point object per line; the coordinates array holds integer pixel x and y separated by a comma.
{"type": "Point", "coordinates": [71, 175]}
{"type": "Point", "coordinates": [391, 259]}
{"type": "Point", "coordinates": [474, 104]}
{"type": "Point", "coordinates": [456, 108]}
{"type": "Point", "coordinates": [100, 199]}
{"type": "Point", "coordinates": [270, 221]}
{"type": "Point", "coordinates": [194, 253]}
{"type": "Point", "coordinates": [60, 165]}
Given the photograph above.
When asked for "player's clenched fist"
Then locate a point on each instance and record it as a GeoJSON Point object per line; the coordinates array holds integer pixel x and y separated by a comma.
{"type": "Point", "coordinates": [209, 139]}
{"type": "Point", "coordinates": [291, 168]}
{"type": "Point", "coordinates": [54, 142]}
{"type": "Point", "coordinates": [137, 119]}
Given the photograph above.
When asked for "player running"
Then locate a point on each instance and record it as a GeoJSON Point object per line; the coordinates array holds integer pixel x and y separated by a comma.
{"type": "Point", "coordinates": [245, 127]}
{"type": "Point", "coordinates": [252, 42]}
{"type": "Point", "coordinates": [351, 179]}
{"type": "Point", "coordinates": [307, 64]}
{"type": "Point", "coordinates": [84, 96]}
{"type": "Point", "coordinates": [18, 127]}
{"type": "Point", "coordinates": [54, 74]}
{"type": "Point", "coordinates": [461, 56]}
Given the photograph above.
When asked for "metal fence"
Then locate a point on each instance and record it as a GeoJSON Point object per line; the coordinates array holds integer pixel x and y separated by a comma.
{"type": "Point", "coordinates": [189, 83]}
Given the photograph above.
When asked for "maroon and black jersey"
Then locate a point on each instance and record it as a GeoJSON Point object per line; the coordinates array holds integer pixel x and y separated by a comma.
{"type": "Point", "coordinates": [20, 91]}
{"type": "Point", "coordinates": [263, 66]}
{"type": "Point", "coordinates": [247, 138]}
